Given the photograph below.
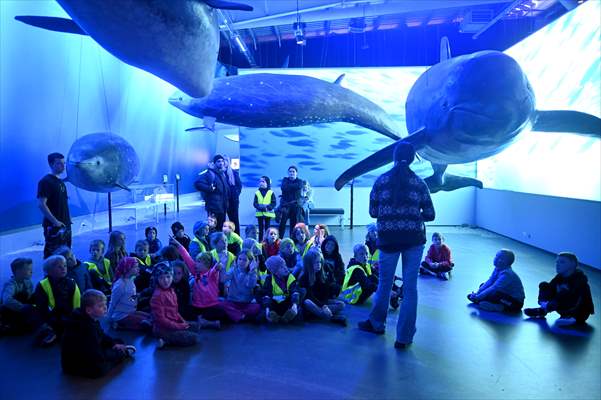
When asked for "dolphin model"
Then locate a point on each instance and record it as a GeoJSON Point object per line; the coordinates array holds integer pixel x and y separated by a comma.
{"type": "Point", "coordinates": [102, 162]}
{"type": "Point", "coordinates": [279, 100]}
{"type": "Point", "coordinates": [468, 108]}
{"type": "Point", "coordinates": [178, 41]}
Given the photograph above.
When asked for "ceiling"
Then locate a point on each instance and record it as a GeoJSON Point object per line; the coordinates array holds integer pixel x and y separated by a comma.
{"type": "Point", "coordinates": [262, 36]}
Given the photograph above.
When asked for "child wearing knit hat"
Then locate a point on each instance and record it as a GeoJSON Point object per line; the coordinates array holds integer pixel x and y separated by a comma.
{"type": "Point", "coordinates": [281, 295]}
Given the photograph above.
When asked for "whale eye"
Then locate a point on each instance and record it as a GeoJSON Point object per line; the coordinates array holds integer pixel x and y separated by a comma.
{"type": "Point", "coordinates": [97, 162]}
{"type": "Point", "coordinates": [181, 99]}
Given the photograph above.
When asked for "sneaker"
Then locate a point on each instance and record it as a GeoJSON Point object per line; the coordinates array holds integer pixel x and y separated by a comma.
{"type": "Point", "coordinates": [488, 306]}
{"type": "Point", "coordinates": [338, 320]}
{"type": "Point", "coordinates": [537, 312]}
{"type": "Point", "coordinates": [49, 339]}
{"type": "Point", "coordinates": [401, 346]}
{"type": "Point", "coordinates": [565, 321]}
{"type": "Point", "coordinates": [368, 327]}
{"type": "Point", "coordinates": [160, 344]}
{"type": "Point", "coordinates": [273, 317]}
{"type": "Point", "coordinates": [443, 276]}
{"type": "Point", "coordinates": [131, 349]}
{"type": "Point", "coordinates": [394, 301]}
{"type": "Point", "coordinates": [289, 315]}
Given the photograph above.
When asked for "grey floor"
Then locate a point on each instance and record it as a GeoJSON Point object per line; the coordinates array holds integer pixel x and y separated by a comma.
{"type": "Point", "coordinates": [459, 351]}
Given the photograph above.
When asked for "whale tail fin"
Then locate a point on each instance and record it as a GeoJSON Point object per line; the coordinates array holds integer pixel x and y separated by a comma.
{"type": "Point", "coordinates": [379, 158]}
{"type": "Point", "coordinates": [568, 121]}
{"type": "Point", "coordinates": [55, 24]}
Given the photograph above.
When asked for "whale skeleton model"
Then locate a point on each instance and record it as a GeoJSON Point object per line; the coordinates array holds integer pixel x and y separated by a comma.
{"type": "Point", "coordinates": [178, 41]}
{"type": "Point", "coordinates": [468, 108]}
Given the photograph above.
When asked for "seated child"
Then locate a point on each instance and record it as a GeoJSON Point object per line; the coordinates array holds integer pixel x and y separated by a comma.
{"type": "Point", "coordinates": [503, 291]}
{"type": "Point", "coordinates": [281, 295]}
{"type": "Point", "coordinates": [257, 251]}
{"type": "Point", "coordinates": [86, 350]}
{"type": "Point", "coordinates": [212, 223]}
{"type": "Point", "coordinates": [438, 260]}
{"type": "Point", "coordinates": [264, 204]}
{"type": "Point", "coordinates": [568, 293]}
{"type": "Point", "coordinates": [75, 269]}
{"type": "Point", "coordinates": [56, 296]}
{"type": "Point", "coordinates": [271, 242]}
{"type": "Point", "coordinates": [251, 232]}
{"type": "Point", "coordinates": [153, 241]}
{"type": "Point", "coordinates": [99, 268]}
{"type": "Point", "coordinates": [234, 241]}
{"type": "Point", "coordinates": [145, 264]}
{"type": "Point", "coordinates": [333, 267]}
{"type": "Point", "coordinates": [359, 280]}
{"type": "Point", "coordinates": [16, 310]}
{"type": "Point", "coordinates": [200, 241]}
{"type": "Point", "coordinates": [320, 231]}
{"type": "Point", "coordinates": [240, 283]}
{"type": "Point", "coordinates": [293, 259]}
{"type": "Point", "coordinates": [320, 290]}
{"type": "Point", "coordinates": [181, 286]}
{"type": "Point", "coordinates": [300, 236]}
{"type": "Point", "coordinates": [180, 234]}
{"type": "Point", "coordinates": [116, 249]}
{"type": "Point", "coordinates": [220, 252]}
{"type": "Point", "coordinates": [123, 311]}
{"type": "Point", "coordinates": [168, 324]}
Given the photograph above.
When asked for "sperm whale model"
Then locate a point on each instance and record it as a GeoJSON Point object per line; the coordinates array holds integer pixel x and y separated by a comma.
{"type": "Point", "coordinates": [102, 162]}
{"type": "Point", "coordinates": [469, 108]}
{"type": "Point", "coordinates": [280, 100]}
{"type": "Point", "coordinates": [178, 41]}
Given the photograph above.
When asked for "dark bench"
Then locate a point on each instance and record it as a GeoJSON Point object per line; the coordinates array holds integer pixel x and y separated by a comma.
{"type": "Point", "coordinates": [328, 211]}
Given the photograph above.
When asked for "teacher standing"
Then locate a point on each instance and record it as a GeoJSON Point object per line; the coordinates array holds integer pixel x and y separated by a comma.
{"type": "Point", "coordinates": [400, 200]}
{"type": "Point", "coordinates": [291, 201]}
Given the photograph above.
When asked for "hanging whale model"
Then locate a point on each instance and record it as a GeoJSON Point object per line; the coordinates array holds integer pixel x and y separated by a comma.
{"type": "Point", "coordinates": [468, 108]}
{"type": "Point", "coordinates": [102, 162]}
{"type": "Point", "coordinates": [280, 100]}
{"type": "Point", "coordinates": [178, 41]}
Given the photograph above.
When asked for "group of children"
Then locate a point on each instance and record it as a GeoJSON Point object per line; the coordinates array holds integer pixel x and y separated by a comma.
{"type": "Point", "coordinates": [196, 283]}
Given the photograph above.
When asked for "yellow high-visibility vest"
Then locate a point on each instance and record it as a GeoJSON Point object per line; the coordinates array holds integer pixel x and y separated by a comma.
{"type": "Point", "coordinates": [201, 245]}
{"type": "Point", "coordinates": [45, 284]}
{"type": "Point", "coordinates": [372, 260]}
{"type": "Point", "coordinates": [277, 292]}
{"type": "Point", "coordinates": [351, 294]}
{"type": "Point", "coordinates": [264, 201]}
{"type": "Point", "coordinates": [230, 259]}
{"type": "Point", "coordinates": [107, 275]}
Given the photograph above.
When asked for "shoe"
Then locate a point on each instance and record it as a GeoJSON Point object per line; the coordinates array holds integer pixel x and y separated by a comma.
{"type": "Point", "coordinates": [131, 349]}
{"type": "Point", "coordinates": [537, 312]}
{"type": "Point", "coordinates": [160, 344]}
{"type": "Point", "coordinates": [394, 301]}
{"type": "Point", "coordinates": [565, 321]}
{"type": "Point", "coordinates": [471, 297]}
{"type": "Point", "coordinates": [338, 320]}
{"type": "Point", "coordinates": [488, 306]}
{"type": "Point", "coordinates": [289, 315]}
{"type": "Point", "coordinates": [273, 317]}
{"type": "Point", "coordinates": [443, 276]}
{"type": "Point", "coordinates": [49, 339]}
{"type": "Point", "coordinates": [368, 327]}
{"type": "Point", "coordinates": [401, 346]}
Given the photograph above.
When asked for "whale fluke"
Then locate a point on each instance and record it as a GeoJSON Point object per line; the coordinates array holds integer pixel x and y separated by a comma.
{"type": "Point", "coordinates": [567, 121]}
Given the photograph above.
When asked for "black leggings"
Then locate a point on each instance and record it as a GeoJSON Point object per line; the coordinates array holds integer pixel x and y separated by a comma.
{"type": "Point", "coordinates": [263, 225]}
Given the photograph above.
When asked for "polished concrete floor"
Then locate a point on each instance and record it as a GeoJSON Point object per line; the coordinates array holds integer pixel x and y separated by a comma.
{"type": "Point", "coordinates": [459, 352]}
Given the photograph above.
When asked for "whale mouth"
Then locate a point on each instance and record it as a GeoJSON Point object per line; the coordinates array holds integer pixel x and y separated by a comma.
{"type": "Point", "coordinates": [476, 113]}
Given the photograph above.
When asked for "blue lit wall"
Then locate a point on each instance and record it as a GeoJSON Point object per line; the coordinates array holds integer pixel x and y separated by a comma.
{"type": "Point", "coordinates": [323, 151]}
{"type": "Point", "coordinates": [563, 64]}
{"type": "Point", "coordinates": [57, 87]}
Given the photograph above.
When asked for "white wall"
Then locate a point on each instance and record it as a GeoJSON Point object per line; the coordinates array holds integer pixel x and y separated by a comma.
{"type": "Point", "coordinates": [551, 223]}
{"type": "Point", "coordinates": [452, 208]}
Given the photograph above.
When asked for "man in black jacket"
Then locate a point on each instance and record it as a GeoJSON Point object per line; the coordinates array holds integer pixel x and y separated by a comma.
{"type": "Point", "coordinates": [214, 189]}
{"type": "Point", "coordinates": [232, 178]}
{"type": "Point", "coordinates": [291, 201]}
{"type": "Point", "coordinates": [86, 350]}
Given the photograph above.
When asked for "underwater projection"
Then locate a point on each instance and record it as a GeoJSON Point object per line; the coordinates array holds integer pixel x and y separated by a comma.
{"type": "Point", "coordinates": [176, 41]}
{"type": "Point", "coordinates": [102, 162]}
{"type": "Point", "coordinates": [563, 64]}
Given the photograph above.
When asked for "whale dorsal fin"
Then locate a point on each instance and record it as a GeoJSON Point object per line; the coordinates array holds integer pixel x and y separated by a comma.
{"type": "Point", "coordinates": [228, 5]}
{"type": "Point", "coordinates": [339, 79]}
{"type": "Point", "coordinates": [380, 158]}
{"type": "Point", "coordinates": [56, 24]}
{"type": "Point", "coordinates": [567, 121]}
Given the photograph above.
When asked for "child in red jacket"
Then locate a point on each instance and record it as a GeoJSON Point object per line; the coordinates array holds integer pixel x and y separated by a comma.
{"type": "Point", "coordinates": [438, 260]}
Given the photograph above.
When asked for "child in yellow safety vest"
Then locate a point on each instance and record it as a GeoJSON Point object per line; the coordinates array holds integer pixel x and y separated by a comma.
{"type": "Point", "coordinates": [264, 203]}
{"type": "Point", "coordinates": [359, 280]}
{"type": "Point", "coordinates": [99, 268]}
{"type": "Point", "coordinates": [56, 296]}
{"type": "Point", "coordinates": [281, 294]}
{"type": "Point", "coordinates": [234, 241]}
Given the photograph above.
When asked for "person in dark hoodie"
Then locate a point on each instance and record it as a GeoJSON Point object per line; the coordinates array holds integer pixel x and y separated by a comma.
{"type": "Point", "coordinates": [333, 267]}
{"type": "Point", "coordinates": [215, 190]}
{"type": "Point", "coordinates": [86, 350]}
{"type": "Point", "coordinates": [264, 203]}
{"type": "Point", "coordinates": [291, 201]}
{"type": "Point", "coordinates": [568, 293]}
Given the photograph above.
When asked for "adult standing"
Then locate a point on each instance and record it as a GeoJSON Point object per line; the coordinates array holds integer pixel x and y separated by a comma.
{"type": "Point", "coordinates": [291, 201]}
{"type": "Point", "coordinates": [400, 200]}
{"type": "Point", "coordinates": [53, 202]}
{"type": "Point", "coordinates": [213, 186]}
{"type": "Point", "coordinates": [235, 188]}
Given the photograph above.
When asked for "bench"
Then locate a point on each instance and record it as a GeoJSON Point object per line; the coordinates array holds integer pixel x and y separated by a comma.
{"type": "Point", "coordinates": [329, 211]}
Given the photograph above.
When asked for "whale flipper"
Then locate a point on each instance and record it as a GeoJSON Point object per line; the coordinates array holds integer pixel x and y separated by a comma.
{"type": "Point", "coordinates": [339, 79]}
{"type": "Point", "coordinates": [448, 182]}
{"type": "Point", "coordinates": [56, 24]}
{"type": "Point", "coordinates": [228, 5]}
{"type": "Point", "coordinates": [120, 185]}
{"type": "Point", "coordinates": [567, 121]}
{"type": "Point", "coordinates": [379, 158]}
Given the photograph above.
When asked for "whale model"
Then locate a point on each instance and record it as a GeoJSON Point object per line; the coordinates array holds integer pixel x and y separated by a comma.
{"type": "Point", "coordinates": [468, 108]}
{"type": "Point", "coordinates": [279, 100]}
{"type": "Point", "coordinates": [178, 41]}
{"type": "Point", "coordinates": [102, 162]}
